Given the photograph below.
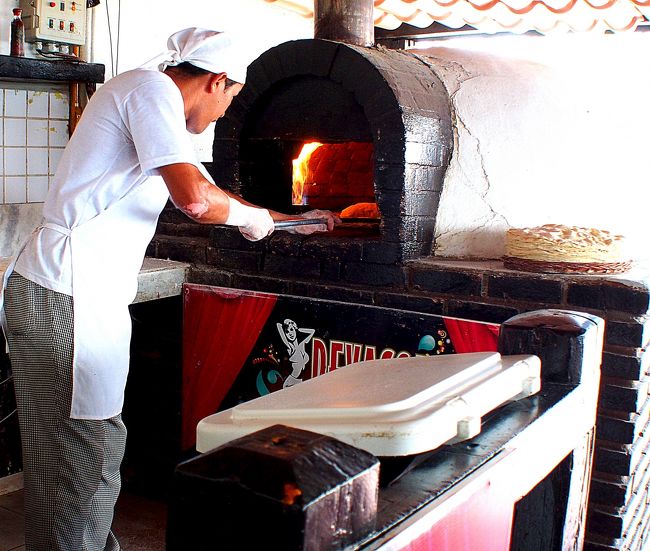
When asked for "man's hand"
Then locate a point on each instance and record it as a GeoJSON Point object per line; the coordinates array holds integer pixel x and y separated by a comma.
{"type": "Point", "coordinates": [331, 221]}
{"type": "Point", "coordinates": [254, 223]}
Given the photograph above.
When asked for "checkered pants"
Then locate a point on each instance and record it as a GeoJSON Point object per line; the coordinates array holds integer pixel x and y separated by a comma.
{"type": "Point", "coordinates": [71, 466]}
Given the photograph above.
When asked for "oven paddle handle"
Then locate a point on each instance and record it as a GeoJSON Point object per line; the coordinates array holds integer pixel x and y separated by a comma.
{"type": "Point", "coordinates": [299, 222]}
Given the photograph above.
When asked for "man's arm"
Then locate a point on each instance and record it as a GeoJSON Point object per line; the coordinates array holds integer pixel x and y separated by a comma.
{"type": "Point", "coordinates": [200, 199]}
{"type": "Point", "coordinates": [194, 195]}
{"type": "Point", "coordinates": [206, 203]}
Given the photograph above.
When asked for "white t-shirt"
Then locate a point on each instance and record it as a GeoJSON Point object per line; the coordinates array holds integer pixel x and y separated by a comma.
{"type": "Point", "coordinates": [134, 124]}
{"type": "Point", "coordinates": [99, 216]}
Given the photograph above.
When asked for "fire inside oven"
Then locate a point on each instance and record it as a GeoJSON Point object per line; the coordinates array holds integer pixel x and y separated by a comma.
{"type": "Point", "coordinates": [307, 144]}
{"type": "Point", "coordinates": [336, 177]}
{"type": "Point", "coordinates": [297, 176]}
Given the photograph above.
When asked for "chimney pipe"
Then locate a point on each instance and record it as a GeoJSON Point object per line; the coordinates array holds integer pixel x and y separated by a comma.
{"type": "Point", "coordinates": [349, 21]}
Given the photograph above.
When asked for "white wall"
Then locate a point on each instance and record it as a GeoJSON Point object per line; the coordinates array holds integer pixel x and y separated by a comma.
{"type": "Point", "coordinates": [564, 143]}
{"type": "Point", "coordinates": [146, 24]}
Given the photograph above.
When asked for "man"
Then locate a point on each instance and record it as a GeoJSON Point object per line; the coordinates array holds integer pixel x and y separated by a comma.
{"type": "Point", "coordinates": [66, 303]}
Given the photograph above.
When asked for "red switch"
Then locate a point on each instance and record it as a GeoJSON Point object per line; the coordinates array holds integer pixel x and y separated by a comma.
{"type": "Point", "coordinates": [61, 26]}
{"type": "Point", "coordinates": [52, 4]}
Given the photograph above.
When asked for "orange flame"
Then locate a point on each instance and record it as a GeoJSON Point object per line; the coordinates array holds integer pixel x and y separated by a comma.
{"type": "Point", "coordinates": [301, 171]}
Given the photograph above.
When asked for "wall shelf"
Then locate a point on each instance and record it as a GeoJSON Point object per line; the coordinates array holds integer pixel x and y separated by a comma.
{"type": "Point", "coordinates": [24, 68]}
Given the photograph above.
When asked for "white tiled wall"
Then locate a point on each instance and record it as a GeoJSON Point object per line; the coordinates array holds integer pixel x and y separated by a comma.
{"type": "Point", "coordinates": [33, 133]}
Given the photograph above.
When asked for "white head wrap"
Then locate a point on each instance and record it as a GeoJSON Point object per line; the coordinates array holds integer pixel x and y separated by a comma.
{"type": "Point", "coordinates": [213, 51]}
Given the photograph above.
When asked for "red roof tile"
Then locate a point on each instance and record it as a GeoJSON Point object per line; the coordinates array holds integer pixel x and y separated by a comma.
{"type": "Point", "coordinates": [491, 16]}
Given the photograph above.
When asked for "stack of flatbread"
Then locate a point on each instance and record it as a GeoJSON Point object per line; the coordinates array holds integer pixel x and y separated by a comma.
{"type": "Point", "coordinates": [555, 248]}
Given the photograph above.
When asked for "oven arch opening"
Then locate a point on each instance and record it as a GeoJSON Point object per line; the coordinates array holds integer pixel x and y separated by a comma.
{"type": "Point", "coordinates": [338, 94]}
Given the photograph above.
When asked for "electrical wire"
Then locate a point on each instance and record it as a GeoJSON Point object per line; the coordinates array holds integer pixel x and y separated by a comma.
{"type": "Point", "coordinates": [119, 24]}
{"type": "Point", "coordinates": [6, 417]}
{"type": "Point", "coordinates": [110, 38]}
{"type": "Point", "coordinates": [9, 378]}
{"type": "Point", "coordinates": [60, 55]}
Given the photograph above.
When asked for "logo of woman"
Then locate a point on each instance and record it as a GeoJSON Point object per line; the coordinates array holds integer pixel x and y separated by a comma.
{"type": "Point", "coordinates": [295, 339]}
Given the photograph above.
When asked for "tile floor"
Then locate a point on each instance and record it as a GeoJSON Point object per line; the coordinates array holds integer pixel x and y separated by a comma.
{"type": "Point", "coordinates": [139, 522]}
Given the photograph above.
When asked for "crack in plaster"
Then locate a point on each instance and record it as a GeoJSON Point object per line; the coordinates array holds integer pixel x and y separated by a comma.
{"type": "Point", "coordinates": [453, 87]}
{"type": "Point", "coordinates": [454, 77]}
{"type": "Point", "coordinates": [483, 194]}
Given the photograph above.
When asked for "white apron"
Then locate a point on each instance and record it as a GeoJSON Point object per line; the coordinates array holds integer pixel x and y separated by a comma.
{"type": "Point", "coordinates": [107, 253]}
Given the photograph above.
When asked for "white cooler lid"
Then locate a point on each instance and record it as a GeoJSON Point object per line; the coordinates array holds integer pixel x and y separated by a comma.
{"type": "Point", "coordinates": [391, 407]}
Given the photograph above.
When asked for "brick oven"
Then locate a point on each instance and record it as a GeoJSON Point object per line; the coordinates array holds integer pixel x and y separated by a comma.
{"type": "Point", "coordinates": [384, 121]}
{"type": "Point", "coordinates": [383, 117]}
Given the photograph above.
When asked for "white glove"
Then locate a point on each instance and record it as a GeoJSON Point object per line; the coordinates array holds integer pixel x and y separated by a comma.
{"type": "Point", "coordinates": [330, 217]}
{"type": "Point", "coordinates": [254, 223]}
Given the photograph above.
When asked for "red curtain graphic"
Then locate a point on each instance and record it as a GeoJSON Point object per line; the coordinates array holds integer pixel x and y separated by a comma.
{"type": "Point", "coordinates": [220, 328]}
{"type": "Point", "coordinates": [472, 336]}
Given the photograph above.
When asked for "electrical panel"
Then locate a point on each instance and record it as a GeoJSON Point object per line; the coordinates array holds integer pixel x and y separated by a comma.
{"type": "Point", "coordinates": [48, 22]}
